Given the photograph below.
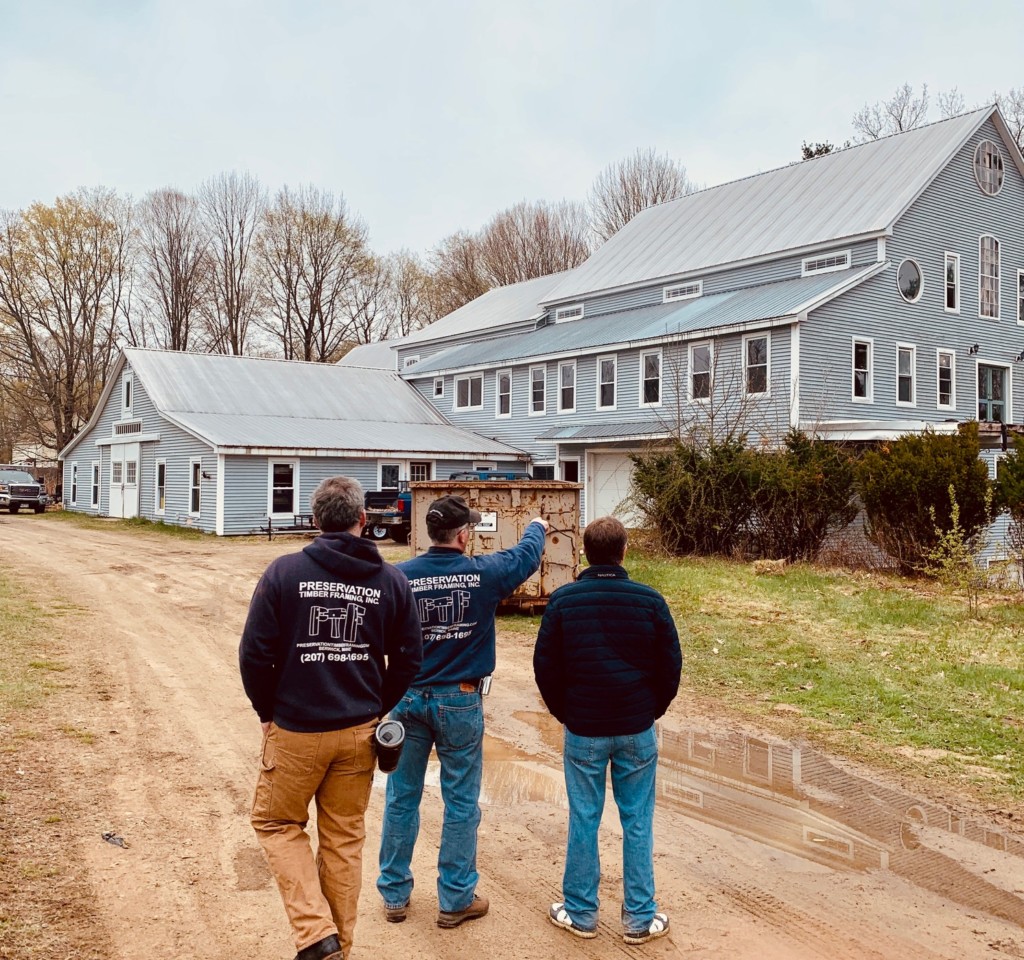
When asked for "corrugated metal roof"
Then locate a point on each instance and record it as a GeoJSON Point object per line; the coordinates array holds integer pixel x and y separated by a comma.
{"type": "Point", "coordinates": [250, 402]}
{"type": "Point", "coordinates": [379, 355]}
{"type": "Point", "coordinates": [496, 308]}
{"type": "Point", "coordinates": [750, 305]}
{"type": "Point", "coordinates": [604, 431]}
{"type": "Point", "coordinates": [858, 191]}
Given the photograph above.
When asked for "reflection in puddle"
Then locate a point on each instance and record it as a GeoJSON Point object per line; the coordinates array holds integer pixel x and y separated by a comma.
{"type": "Point", "coordinates": [794, 798]}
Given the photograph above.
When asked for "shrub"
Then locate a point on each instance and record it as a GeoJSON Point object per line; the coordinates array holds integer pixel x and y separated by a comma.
{"type": "Point", "coordinates": [1009, 496]}
{"type": "Point", "coordinates": [697, 496]}
{"type": "Point", "coordinates": [802, 494]}
{"type": "Point", "coordinates": [904, 483]}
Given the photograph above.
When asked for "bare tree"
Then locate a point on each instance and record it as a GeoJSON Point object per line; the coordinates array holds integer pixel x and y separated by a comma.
{"type": "Point", "coordinates": [1011, 105]}
{"type": "Point", "coordinates": [367, 300]}
{"type": "Point", "coordinates": [232, 206]}
{"type": "Point", "coordinates": [901, 112]}
{"type": "Point", "coordinates": [458, 272]}
{"type": "Point", "coordinates": [175, 266]}
{"type": "Point", "coordinates": [312, 250]}
{"type": "Point", "coordinates": [951, 103]}
{"type": "Point", "coordinates": [64, 270]}
{"type": "Point", "coordinates": [532, 240]}
{"type": "Point", "coordinates": [411, 295]}
{"type": "Point", "coordinates": [625, 188]}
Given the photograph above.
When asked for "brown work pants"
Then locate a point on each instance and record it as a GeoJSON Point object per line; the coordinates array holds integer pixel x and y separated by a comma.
{"type": "Point", "coordinates": [336, 767]}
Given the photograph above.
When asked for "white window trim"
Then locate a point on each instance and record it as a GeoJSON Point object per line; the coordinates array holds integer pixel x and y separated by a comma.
{"type": "Point", "coordinates": [191, 466]}
{"type": "Point", "coordinates": [554, 468]}
{"type": "Point", "coordinates": [661, 378]}
{"type": "Point", "coordinates": [1008, 367]}
{"type": "Point", "coordinates": [912, 402]}
{"type": "Point", "coordinates": [870, 341]}
{"type": "Point", "coordinates": [1002, 167]}
{"type": "Point", "coordinates": [767, 337]}
{"type": "Point", "coordinates": [157, 509]}
{"type": "Point", "coordinates": [614, 357]}
{"type": "Point", "coordinates": [480, 465]}
{"type": "Point", "coordinates": [952, 380]}
{"type": "Point", "coordinates": [410, 361]}
{"type": "Point", "coordinates": [127, 383]}
{"type": "Point", "coordinates": [94, 484]}
{"type": "Point", "coordinates": [431, 470]}
{"type": "Point", "coordinates": [999, 277]}
{"type": "Point", "coordinates": [74, 484]}
{"type": "Point", "coordinates": [920, 273]}
{"type": "Point", "coordinates": [294, 464]}
{"type": "Point", "coordinates": [577, 461]}
{"type": "Point", "coordinates": [469, 394]}
{"type": "Point", "coordinates": [711, 371]}
{"type": "Point", "coordinates": [805, 271]}
{"type": "Point", "coordinates": [561, 365]}
{"type": "Point", "coordinates": [438, 382]}
{"type": "Point", "coordinates": [565, 314]}
{"type": "Point", "coordinates": [667, 295]}
{"type": "Point", "coordinates": [1020, 298]}
{"type": "Point", "coordinates": [498, 415]}
{"type": "Point", "coordinates": [381, 464]}
{"type": "Point", "coordinates": [529, 380]}
{"type": "Point", "coordinates": [955, 257]}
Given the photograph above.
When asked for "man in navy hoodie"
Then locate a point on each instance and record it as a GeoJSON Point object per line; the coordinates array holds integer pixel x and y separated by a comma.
{"type": "Point", "coordinates": [331, 643]}
{"type": "Point", "coordinates": [607, 663]}
{"type": "Point", "coordinates": [457, 598]}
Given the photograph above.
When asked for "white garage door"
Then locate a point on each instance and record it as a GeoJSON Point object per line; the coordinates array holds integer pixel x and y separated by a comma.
{"type": "Point", "coordinates": [610, 484]}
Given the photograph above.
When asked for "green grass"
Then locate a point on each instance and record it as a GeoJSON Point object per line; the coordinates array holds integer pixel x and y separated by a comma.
{"type": "Point", "coordinates": [865, 664]}
{"type": "Point", "coordinates": [89, 522]}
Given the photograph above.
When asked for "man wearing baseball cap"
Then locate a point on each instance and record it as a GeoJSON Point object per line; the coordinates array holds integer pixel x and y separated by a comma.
{"type": "Point", "coordinates": [457, 597]}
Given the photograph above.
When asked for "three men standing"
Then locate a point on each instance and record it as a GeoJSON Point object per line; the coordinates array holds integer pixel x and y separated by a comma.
{"type": "Point", "coordinates": [457, 597]}
{"type": "Point", "coordinates": [331, 643]}
{"type": "Point", "coordinates": [607, 663]}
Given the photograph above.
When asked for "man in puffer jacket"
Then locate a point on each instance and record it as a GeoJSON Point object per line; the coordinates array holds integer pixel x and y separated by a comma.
{"type": "Point", "coordinates": [331, 643]}
{"type": "Point", "coordinates": [607, 663]}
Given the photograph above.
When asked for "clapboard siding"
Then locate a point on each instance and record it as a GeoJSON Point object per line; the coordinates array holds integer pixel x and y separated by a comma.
{"type": "Point", "coordinates": [950, 216]}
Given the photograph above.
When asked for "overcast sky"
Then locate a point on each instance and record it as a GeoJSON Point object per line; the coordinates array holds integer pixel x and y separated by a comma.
{"type": "Point", "coordinates": [431, 116]}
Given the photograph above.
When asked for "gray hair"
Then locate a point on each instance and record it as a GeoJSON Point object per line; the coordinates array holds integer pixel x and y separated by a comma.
{"type": "Point", "coordinates": [337, 504]}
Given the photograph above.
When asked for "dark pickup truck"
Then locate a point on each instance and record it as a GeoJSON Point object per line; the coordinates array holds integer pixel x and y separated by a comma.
{"type": "Point", "coordinates": [389, 512]}
{"type": "Point", "coordinates": [18, 489]}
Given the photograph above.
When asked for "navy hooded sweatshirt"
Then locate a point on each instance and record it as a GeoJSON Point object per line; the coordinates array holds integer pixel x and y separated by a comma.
{"type": "Point", "coordinates": [457, 598]}
{"type": "Point", "coordinates": [332, 639]}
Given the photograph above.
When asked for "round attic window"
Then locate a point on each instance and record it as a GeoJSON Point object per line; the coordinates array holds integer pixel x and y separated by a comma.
{"type": "Point", "coordinates": [988, 167]}
{"type": "Point", "coordinates": [908, 279]}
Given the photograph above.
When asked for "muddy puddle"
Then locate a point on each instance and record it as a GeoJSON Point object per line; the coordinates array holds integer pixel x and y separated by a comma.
{"type": "Point", "coordinates": [792, 798]}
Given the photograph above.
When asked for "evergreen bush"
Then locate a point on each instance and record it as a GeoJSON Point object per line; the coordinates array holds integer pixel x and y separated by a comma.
{"type": "Point", "coordinates": [904, 486]}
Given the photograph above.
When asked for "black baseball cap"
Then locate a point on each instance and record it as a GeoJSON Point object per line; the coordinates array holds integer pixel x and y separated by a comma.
{"type": "Point", "coordinates": [450, 512]}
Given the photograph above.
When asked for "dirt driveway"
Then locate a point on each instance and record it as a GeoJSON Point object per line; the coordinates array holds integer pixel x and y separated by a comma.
{"type": "Point", "coordinates": [764, 849]}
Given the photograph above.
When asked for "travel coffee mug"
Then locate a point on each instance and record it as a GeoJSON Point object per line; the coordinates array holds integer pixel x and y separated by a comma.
{"type": "Point", "coordinates": [390, 735]}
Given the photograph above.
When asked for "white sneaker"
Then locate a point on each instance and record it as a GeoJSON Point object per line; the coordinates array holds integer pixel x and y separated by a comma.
{"type": "Point", "coordinates": [658, 928]}
{"type": "Point", "coordinates": [560, 918]}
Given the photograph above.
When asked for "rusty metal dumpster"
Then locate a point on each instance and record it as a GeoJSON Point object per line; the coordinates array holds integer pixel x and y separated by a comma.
{"type": "Point", "coordinates": [506, 507]}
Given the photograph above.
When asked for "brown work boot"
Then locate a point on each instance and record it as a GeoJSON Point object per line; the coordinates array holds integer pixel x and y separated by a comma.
{"type": "Point", "coordinates": [477, 908]}
{"type": "Point", "coordinates": [327, 949]}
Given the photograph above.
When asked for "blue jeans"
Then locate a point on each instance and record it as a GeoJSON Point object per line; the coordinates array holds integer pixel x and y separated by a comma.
{"type": "Point", "coordinates": [445, 717]}
{"type": "Point", "coordinates": [634, 762]}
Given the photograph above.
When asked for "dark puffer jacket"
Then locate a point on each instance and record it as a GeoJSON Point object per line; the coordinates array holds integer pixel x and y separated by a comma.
{"type": "Point", "coordinates": [607, 659]}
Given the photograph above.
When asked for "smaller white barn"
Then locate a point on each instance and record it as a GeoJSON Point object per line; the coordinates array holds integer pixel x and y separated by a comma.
{"type": "Point", "coordinates": [226, 443]}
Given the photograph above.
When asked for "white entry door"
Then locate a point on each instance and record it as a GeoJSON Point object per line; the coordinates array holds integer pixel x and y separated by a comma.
{"type": "Point", "coordinates": [124, 480]}
{"type": "Point", "coordinates": [610, 483]}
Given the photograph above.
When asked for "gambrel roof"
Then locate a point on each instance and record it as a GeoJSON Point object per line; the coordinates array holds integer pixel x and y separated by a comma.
{"type": "Point", "coordinates": [782, 301]}
{"type": "Point", "coordinates": [246, 405]}
{"type": "Point", "coordinates": [848, 195]}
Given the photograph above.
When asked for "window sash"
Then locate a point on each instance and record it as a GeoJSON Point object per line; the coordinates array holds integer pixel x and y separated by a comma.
{"type": "Point", "coordinates": [650, 384]}
{"type": "Point", "coordinates": [504, 394]}
{"type": "Point", "coordinates": [161, 487]}
{"type": "Point", "coordinates": [755, 355]}
{"type": "Point", "coordinates": [945, 379]}
{"type": "Point", "coordinates": [469, 392]}
{"type": "Point", "coordinates": [988, 287]}
{"type": "Point", "coordinates": [861, 370]}
{"type": "Point", "coordinates": [538, 387]}
{"type": "Point", "coordinates": [905, 375]}
{"type": "Point", "coordinates": [567, 386]}
{"type": "Point", "coordinates": [607, 374]}
{"type": "Point", "coordinates": [282, 494]}
{"type": "Point", "coordinates": [952, 283]}
{"type": "Point", "coordinates": [196, 489]}
{"type": "Point", "coordinates": [700, 372]}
